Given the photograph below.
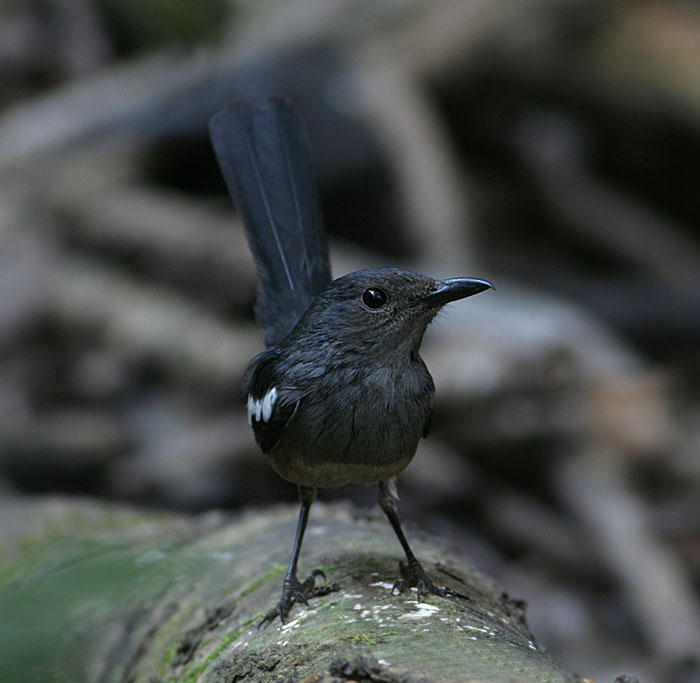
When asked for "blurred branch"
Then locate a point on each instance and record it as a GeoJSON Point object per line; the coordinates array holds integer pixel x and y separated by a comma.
{"type": "Point", "coordinates": [152, 323]}
{"type": "Point", "coordinates": [166, 232]}
{"type": "Point", "coordinates": [79, 39]}
{"type": "Point", "coordinates": [431, 184]}
{"type": "Point", "coordinates": [605, 217]}
{"type": "Point", "coordinates": [657, 587]}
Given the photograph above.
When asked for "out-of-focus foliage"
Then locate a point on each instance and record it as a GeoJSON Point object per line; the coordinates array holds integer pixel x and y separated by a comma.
{"type": "Point", "coordinates": [137, 25]}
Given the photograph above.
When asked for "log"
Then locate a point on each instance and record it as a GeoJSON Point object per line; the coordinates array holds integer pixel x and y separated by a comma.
{"type": "Point", "coordinates": [90, 592]}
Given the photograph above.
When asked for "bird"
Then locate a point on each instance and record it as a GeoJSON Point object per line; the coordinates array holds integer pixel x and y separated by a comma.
{"type": "Point", "coordinates": [340, 394]}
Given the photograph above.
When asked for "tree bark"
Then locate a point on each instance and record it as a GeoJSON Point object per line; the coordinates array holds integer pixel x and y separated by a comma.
{"type": "Point", "coordinates": [90, 592]}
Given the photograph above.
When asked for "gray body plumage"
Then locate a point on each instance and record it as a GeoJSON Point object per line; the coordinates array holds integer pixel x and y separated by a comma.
{"type": "Point", "coordinates": [352, 394]}
{"type": "Point", "coordinates": [367, 432]}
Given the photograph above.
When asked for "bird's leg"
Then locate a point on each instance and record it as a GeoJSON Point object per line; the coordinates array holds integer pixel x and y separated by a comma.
{"type": "Point", "coordinates": [412, 573]}
{"type": "Point", "coordinates": [294, 590]}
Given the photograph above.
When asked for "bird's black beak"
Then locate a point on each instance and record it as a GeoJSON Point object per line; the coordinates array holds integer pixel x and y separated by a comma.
{"type": "Point", "coordinates": [453, 289]}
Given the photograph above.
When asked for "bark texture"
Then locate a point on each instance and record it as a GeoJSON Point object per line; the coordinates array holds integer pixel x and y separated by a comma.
{"type": "Point", "coordinates": [96, 593]}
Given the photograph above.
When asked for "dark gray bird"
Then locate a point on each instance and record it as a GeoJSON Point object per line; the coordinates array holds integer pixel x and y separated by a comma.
{"type": "Point", "coordinates": [341, 393]}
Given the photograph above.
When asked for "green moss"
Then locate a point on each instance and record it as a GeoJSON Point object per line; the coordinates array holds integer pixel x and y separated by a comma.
{"type": "Point", "coordinates": [360, 639]}
{"type": "Point", "coordinates": [275, 570]}
{"type": "Point", "coordinates": [168, 656]}
{"type": "Point", "coordinates": [8, 571]}
{"type": "Point", "coordinates": [194, 674]}
{"type": "Point", "coordinates": [253, 620]}
{"type": "Point", "coordinates": [76, 528]}
{"type": "Point", "coordinates": [169, 632]}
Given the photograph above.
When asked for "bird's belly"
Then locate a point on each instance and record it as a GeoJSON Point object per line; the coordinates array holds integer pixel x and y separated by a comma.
{"type": "Point", "coordinates": [332, 445]}
{"type": "Point", "coordinates": [326, 474]}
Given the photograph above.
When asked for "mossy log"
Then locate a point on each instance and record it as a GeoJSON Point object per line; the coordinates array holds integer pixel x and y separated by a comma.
{"type": "Point", "coordinates": [90, 592]}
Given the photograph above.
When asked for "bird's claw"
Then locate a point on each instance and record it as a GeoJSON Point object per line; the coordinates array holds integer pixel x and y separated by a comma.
{"type": "Point", "coordinates": [293, 591]}
{"type": "Point", "coordinates": [413, 576]}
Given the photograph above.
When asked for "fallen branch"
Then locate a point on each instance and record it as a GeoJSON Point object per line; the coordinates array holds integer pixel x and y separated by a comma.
{"type": "Point", "coordinates": [123, 595]}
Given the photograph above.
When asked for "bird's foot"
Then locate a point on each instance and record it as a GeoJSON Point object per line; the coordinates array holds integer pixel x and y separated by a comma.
{"type": "Point", "coordinates": [293, 591]}
{"type": "Point", "coordinates": [413, 576]}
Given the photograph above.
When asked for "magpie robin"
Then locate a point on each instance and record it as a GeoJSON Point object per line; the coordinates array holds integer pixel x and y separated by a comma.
{"type": "Point", "coordinates": [341, 393]}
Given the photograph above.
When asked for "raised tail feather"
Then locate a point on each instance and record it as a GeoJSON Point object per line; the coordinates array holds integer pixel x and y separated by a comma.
{"type": "Point", "coordinates": [264, 156]}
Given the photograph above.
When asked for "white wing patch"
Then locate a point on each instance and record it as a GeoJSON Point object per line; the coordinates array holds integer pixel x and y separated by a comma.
{"type": "Point", "coordinates": [261, 408]}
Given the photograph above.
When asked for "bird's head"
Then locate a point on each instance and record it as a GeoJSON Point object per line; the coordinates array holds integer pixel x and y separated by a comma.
{"type": "Point", "coordinates": [382, 307]}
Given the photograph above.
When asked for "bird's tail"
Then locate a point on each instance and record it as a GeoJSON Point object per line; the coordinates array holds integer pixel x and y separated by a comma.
{"type": "Point", "coordinates": [264, 156]}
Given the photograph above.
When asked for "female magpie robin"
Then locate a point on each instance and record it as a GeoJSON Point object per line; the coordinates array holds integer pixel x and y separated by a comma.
{"type": "Point", "coordinates": [341, 393]}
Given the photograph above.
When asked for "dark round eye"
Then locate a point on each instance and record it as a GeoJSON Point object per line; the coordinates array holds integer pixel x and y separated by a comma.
{"type": "Point", "coordinates": [374, 297]}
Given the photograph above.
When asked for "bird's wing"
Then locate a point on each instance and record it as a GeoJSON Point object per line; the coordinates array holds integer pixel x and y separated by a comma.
{"type": "Point", "coordinates": [267, 434]}
{"type": "Point", "coordinates": [271, 401]}
{"type": "Point", "coordinates": [264, 156]}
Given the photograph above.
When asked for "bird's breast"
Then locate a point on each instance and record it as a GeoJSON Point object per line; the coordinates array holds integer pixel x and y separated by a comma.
{"type": "Point", "coordinates": [360, 425]}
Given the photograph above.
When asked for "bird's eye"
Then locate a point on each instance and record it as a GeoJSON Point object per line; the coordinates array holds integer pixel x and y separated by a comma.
{"type": "Point", "coordinates": [374, 297]}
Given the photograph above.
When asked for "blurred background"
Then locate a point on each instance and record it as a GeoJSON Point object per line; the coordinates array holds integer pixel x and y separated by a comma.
{"type": "Point", "coordinates": [552, 147]}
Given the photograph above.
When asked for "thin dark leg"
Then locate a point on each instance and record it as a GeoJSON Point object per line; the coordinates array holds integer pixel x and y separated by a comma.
{"type": "Point", "coordinates": [293, 589]}
{"type": "Point", "coordinates": [388, 498]}
{"type": "Point", "coordinates": [412, 573]}
{"type": "Point", "coordinates": [306, 496]}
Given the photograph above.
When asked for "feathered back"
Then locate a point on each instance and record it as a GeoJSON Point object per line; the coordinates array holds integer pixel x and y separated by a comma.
{"type": "Point", "coordinates": [264, 156]}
